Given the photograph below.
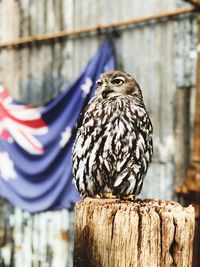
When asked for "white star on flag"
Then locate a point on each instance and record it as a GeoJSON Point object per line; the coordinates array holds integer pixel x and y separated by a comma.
{"type": "Point", "coordinates": [6, 167]}
{"type": "Point", "coordinates": [65, 136]}
{"type": "Point", "coordinates": [86, 86]}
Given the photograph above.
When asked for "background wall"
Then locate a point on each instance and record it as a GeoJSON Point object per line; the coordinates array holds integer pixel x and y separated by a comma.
{"type": "Point", "coordinates": [161, 55]}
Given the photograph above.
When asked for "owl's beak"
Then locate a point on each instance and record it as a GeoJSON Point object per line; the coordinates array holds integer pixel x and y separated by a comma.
{"type": "Point", "coordinates": [106, 92]}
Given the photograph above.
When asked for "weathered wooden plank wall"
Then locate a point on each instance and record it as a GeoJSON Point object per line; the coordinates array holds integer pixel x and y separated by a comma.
{"type": "Point", "coordinates": [161, 56]}
{"type": "Point", "coordinates": [43, 239]}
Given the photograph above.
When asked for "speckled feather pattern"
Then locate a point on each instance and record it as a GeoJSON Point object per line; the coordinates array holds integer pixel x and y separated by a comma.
{"type": "Point", "coordinates": [113, 146]}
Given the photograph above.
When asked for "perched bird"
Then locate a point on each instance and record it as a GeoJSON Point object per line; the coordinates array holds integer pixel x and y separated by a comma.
{"type": "Point", "coordinates": [113, 145]}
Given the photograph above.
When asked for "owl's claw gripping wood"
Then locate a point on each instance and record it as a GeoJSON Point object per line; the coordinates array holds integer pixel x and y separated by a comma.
{"type": "Point", "coordinates": [113, 145]}
{"type": "Point", "coordinates": [97, 196]}
{"type": "Point", "coordinates": [105, 195]}
{"type": "Point", "coordinates": [128, 197]}
{"type": "Point", "coordinates": [108, 195]}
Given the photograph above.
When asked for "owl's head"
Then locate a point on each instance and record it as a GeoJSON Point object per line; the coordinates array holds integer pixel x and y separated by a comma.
{"type": "Point", "coordinates": [114, 84]}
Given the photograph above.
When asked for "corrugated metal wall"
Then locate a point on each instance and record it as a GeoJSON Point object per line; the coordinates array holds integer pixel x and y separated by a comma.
{"type": "Point", "coordinates": [160, 55]}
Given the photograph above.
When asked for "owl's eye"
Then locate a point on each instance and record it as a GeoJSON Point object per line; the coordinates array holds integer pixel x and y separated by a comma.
{"type": "Point", "coordinates": [118, 80]}
{"type": "Point", "coordinates": [99, 82]}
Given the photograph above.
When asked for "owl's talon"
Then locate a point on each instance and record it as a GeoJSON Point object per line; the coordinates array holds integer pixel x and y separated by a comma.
{"type": "Point", "coordinates": [107, 195]}
{"type": "Point", "coordinates": [128, 197]}
{"type": "Point", "coordinates": [104, 195]}
{"type": "Point", "coordinates": [97, 196]}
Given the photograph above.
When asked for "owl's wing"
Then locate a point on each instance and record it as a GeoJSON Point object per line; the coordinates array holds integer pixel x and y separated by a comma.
{"type": "Point", "coordinates": [82, 114]}
{"type": "Point", "coordinates": [81, 117]}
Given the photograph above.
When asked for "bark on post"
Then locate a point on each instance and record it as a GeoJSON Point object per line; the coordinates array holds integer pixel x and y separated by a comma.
{"type": "Point", "coordinates": [150, 232]}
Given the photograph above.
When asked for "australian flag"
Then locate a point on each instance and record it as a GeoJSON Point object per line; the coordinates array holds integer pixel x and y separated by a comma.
{"type": "Point", "coordinates": [36, 141]}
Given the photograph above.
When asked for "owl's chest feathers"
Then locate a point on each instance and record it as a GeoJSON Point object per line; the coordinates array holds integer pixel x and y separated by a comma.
{"type": "Point", "coordinates": [113, 117]}
{"type": "Point", "coordinates": [111, 128]}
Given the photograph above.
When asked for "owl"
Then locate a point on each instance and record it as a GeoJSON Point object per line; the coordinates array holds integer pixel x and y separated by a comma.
{"type": "Point", "coordinates": [113, 145]}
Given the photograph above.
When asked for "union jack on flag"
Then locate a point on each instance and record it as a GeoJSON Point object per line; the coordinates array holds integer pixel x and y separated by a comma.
{"type": "Point", "coordinates": [36, 142]}
{"type": "Point", "coordinates": [21, 123]}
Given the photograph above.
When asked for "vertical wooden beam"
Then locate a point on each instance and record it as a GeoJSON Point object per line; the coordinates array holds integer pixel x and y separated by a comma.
{"type": "Point", "coordinates": [182, 158]}
{"type": "Point", "coordinates": [189, 190]}
{"type": "Point", "coordinates": [196, 131]}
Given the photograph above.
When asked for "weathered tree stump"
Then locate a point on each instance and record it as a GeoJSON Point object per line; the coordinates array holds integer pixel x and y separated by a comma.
{"type": "Point", "coordinates": [146, 233]}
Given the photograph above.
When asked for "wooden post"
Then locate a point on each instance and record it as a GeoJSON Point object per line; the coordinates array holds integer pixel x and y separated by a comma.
{"type": "Point", "coordinates": [116, 233]}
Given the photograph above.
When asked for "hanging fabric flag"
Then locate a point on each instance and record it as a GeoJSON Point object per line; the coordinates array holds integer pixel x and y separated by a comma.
{"type": "Point", "coordinates": [36, 142]}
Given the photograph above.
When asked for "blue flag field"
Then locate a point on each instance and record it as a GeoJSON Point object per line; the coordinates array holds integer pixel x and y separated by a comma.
{"type": "Point", "coordinates": [36, 141]}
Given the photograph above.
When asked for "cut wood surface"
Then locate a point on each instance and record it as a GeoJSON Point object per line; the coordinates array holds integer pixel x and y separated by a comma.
{"type": "Point", "coordinates": [146, 233]}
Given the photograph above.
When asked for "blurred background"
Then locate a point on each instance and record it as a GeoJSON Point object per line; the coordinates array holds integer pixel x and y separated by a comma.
{"type": "Point", "coordinates": [156, 41]}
